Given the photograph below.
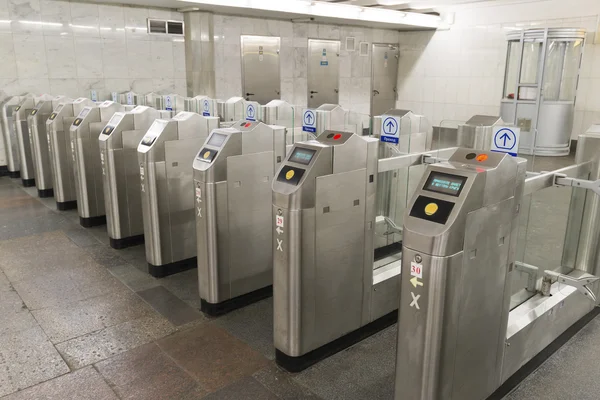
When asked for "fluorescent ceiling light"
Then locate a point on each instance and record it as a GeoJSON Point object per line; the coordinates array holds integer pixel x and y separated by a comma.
{"type": "Point", "coordinates": [391, 2]}
{"type": "Point", "coordinates": [41, 23]}
{"type": "Point", "coordinates": [82, 26]}
{"type": "Point", "coordinates": [5, 21]}
{"type": "Point", "coordinates": [105, 28]}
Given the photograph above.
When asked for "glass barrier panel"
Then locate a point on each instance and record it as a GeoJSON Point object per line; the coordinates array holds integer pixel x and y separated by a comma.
{"type": "Point", "coordinates": [512, 69]}
{"type": "Point", "coordinates": [358, 123]}
{"type": "Point", "coordinates": [568, 85]}
{"type": "Point", "coordinates": [553, 68]}
{"type": "Point", "coordinates": [530, 64]}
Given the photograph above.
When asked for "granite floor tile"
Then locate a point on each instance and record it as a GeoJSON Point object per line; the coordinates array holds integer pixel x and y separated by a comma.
{"type": "Point", "coordinates": [135, 279]}
{"type": "Point", "coordinates": [170, 306]}
{"type": "Point", "coordinates": [81, 237]}
{"type": "Point", "coordinates": [66, 286]}
{"type": "Point", "coordinates": [99, 232]}
{"type": "Point", "coordinates": [27, 358]}
{"type": "Point", "coordinates": [365, 370]}
{"type": "Point", "coordinates": [281, 383]}
{"type": "Point", "coordinates": [90, 315]}
{"type": "Point", "coordinates": [212, 356]}
{"type": "Point", "coordinates": [252, 324]}
{"type": "Point", "coordinates": [22, 257]}
{"type": "Point", "coordinates": [105, 255]}
{"type": "Point", "coordinates": [14, 315]}
{"type": "Point", "coordinates": [117, 339]}
{"type": "Point", "coordinates": [146, 373]}
{"type": "Point", "coordinates": [85, 384]}
{"type": "Point", "coordinates": [246, 388]}
{"type": "Point", "coordinates": [185, 286]}
{"type": "Point", "coordinates": [27, 226]}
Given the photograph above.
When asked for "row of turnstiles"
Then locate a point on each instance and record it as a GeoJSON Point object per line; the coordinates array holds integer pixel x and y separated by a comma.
{"type": "Point", "coordinates": [347, 232]}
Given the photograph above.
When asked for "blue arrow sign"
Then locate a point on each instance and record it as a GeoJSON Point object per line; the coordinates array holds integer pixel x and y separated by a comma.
{"type": "Point", "coordinates": [389, 130]}
{"type": "Point", "coordinates": [250, 113]}
{"type": "Point", "coordinates": [505, 140]}
{"type": "Point", "coordinates": [309, 122]}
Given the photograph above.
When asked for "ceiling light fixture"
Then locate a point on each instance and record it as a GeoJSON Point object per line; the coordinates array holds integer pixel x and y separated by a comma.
{"type": "Point", "coordinates": [41, 23]}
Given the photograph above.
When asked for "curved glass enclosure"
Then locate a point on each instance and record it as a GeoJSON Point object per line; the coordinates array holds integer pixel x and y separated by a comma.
{"type": "Point", "coordinates": [540, 83]}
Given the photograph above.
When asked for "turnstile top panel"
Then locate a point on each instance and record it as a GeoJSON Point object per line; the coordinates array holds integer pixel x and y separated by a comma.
{"type": "Point", "coordinates": [234, 100]}
{"type": "Point", "coordinates": [484, 120]}
{"type": "Point", "coordinates": [328, 107]}
{"type": "Point", "coordinates": [334, 138]}
{"type": "Point", "coordinates": [397, 113]}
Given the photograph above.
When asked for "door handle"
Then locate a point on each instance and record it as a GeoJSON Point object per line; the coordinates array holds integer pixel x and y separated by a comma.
{"type": "Point", "coordinates": [375, 92]}
{"type": "Point", "coordinates": [336, 90]}
{"type": "Point", "coordinates": [313, 92]}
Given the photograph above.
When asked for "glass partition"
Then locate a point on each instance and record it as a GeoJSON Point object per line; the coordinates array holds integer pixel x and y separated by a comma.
{"type": "Point", "coordinates": [358, 123]}
{"type": "Point", "coordinates": [512, 69]}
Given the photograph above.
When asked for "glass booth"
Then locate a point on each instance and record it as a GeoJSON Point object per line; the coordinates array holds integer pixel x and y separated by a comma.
{"type": "Point", "coordinates": [540, 84]}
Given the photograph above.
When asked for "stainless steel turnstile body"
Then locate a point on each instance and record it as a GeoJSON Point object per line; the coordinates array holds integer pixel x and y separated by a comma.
{"type": "Point", "coordinates": [38, 139]}
{"type": "Point", "coordinates": [459, 243]}
{"type": "Point", "coordinates": [9, 135]}
{"type": "Point", "coordinates": [165, 157]}
{"type": "Point", "coordinates": [119, 141]}
{"type": "Point", "coordinates": [478, 132]}
{"type": "Point", "coordinates": [324, 286]}
{"type": "Point", "coordinates": [61, 159]}
{"type": "Point", "coordinates": [87, 168]}
{"type": "Point", "coordinates": [233, 110]}
{"type": "Point", "coordinates": [232, 180]}
{"type": "Point", "coordinates": [20, 115]}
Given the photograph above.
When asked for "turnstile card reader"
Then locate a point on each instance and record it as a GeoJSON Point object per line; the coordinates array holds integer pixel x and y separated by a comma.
{"type": "Point", "coordinates": [87, 167]}
{"type": "Point", "coordinates": [59, 148]}
{"type": "Point", "coordinates": [38, 139]}
{"type": "Point", "coordinates": [325, 294]}
{"type": "Point", "coordinates": [232, 180]}
{"type": "Point", "coordinates": [165, 156]}
{"type": "Point", "coordinates": [20, 115]}
{"type": "Point", "coordinates": [459, 241]}
{"type": "Point", "coordinates": [119, 141]}
{"type": "Point", "coordinates": [9, 135]}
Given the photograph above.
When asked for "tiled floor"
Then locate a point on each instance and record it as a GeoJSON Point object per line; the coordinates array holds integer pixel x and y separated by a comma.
{"type": "Point", "coordinates": [79, 320]}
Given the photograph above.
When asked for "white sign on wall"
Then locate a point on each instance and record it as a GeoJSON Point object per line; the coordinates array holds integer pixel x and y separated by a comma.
{"type": "Point", "coordinates": [506, 140]}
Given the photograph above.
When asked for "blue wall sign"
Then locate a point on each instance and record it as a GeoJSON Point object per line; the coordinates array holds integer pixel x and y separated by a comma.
{"type": "Point", "coordinates": [309, 121]}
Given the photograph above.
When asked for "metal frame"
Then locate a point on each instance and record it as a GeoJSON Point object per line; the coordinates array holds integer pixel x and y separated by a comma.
{"type": "Point", "coordinates": [339, 42]}
{"type": "Point", "coordinates": [242, 61]}
{"type": "Point", "coordinates": [397, 46]}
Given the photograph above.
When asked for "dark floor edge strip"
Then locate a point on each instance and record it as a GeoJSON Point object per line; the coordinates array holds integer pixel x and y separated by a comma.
{"type": "Point", "coordinates": [224, 307]}
{"type": "Point", "coordinates": [533, 364]}
{"type": "Point", "coordinates": [300, 363]}
{"type": "Point", "coordinates": [160, 271]}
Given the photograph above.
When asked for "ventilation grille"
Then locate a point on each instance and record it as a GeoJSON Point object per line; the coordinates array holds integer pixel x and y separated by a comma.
{"type": "Point", "coordinates": [163, 27]}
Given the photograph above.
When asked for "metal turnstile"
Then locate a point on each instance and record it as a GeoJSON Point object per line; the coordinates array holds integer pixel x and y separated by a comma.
{"type": "Point", "coordinates": [20, 114]}
{"type": "Point", "coordinates": [3, 161]}
{"type": "Point", "coordinates": [59, 148]}
{"type": "Point", "coordinates": [9, 135]}
{"type": "Point", "coordinates": [119, 141]}
{"type": "Point", "coordinates": [232, 180]}
{"type": "Point", "coordinates": [38, 139]}
{"type": "Point", "coordinates": [459, 242]}
{"type": "Point", "coordinates": [165, 157]}
{"type": "Point", "coordinates": [327, 293]}
{"type": "Point", "coordinates": [233, 110]}
{"type": "Point", "coordinates": [85, 150]}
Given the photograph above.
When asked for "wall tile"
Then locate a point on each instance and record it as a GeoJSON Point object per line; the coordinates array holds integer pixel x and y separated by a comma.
{"type": "Point", "coordinates": [8, 66]}
{"type": "Point", "coordinates": [139, 58]}
{"type": "Point", "coordinates": [84, 19]}
{"type": "Point", "coordinates": [30, 55]}
{"type": "Point", "coordinates": [67, 87]}
{"type": "Point", "coordinates": [114, 58]}
{"type": "Point", "coordinates": [88, 52]}
{"type": "Point", "coordinates": [25, 10]}
{"type": "Point", "coordinates": [162, 59]}
{"type": "Point", "coordinates": [60, 55]}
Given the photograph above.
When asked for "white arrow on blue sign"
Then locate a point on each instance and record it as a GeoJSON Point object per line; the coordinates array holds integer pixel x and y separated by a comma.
{"type": "Point", "coordinates": [205, 108]}
{"type": "Point", "coordinates": [506, 140]}
{"type": "Point", "coordinates": [309, 121]}
{"type": "Point", "coordinates": [250, 113]}
{"type": "Point", "coordinates": [390, 127]}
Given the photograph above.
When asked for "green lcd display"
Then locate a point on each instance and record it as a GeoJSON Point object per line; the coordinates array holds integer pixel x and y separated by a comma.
{"type": "Point", "coordinates": [445, 183]}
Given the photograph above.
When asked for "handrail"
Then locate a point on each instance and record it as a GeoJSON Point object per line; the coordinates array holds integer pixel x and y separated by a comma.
{"type": "Point", "coordinates": [412, 159]}
{"type": "Point", "coordinates": [543, 180]}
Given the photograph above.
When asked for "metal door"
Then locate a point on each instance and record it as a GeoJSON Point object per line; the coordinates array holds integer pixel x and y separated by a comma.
{"type": "Point", "coordinates": [260, 68]}
{"type": "Point", "coordinates": [384, 78]}
{"type": "Point", "coordinates": [323, 72]}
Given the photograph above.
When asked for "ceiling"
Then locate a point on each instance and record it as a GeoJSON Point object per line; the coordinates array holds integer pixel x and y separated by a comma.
{"type": "Point", "coordinates": [419, 6]}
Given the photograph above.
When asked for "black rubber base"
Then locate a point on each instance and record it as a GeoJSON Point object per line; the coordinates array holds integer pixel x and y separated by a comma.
{"type": "Point", "coordinates": [160, 271]}
{"type": "Point", "coordinates": [92, 221]}
{"type": "Point", "coordinates": [28, 182]}
{"type": "Point", "coordinates": [46, 192]}
{"type": "Point", "coordinates": [542, 356]}
{"type": "Point", "coordinates": [214, 310]}
{"type": "Point", "coordinates": [126, 242]}
{"type": "Point", "coordinates": [66, 205]}
{"type": "Point", "coordinates": [14, 174]}
{"type": "Point", "coordinates": [300, 363]}
{"type": "Point", "coordinates": [3, 170]}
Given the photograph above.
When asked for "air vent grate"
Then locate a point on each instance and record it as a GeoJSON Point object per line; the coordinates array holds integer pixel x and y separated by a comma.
{"type": "Point", "coordinates": [163, 27]}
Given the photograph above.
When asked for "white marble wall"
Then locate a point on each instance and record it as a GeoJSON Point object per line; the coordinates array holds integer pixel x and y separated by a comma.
{"type": "Point", "coordinates": [71, 48]}
{"type": "Point", "coordinates": [355, 71]}
{"type": "Point", "coordinates": [451, 75]}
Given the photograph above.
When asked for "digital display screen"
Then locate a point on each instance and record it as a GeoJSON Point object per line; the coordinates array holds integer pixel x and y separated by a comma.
{"type": "Point", "coordinates": [302, 156]}
{"type": "Point", "coordinates": [60, 107]}
{"type": "Point", "coordinates": [84, 112]}
{"type": "Point", "coordinates": [216, 139]}
{"type": "Point", "coordinates": [445, 183]}
{"type": "Point", "coordinates": [115, 119]}
{"type": "Point", "coordinates": [148, 140]}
